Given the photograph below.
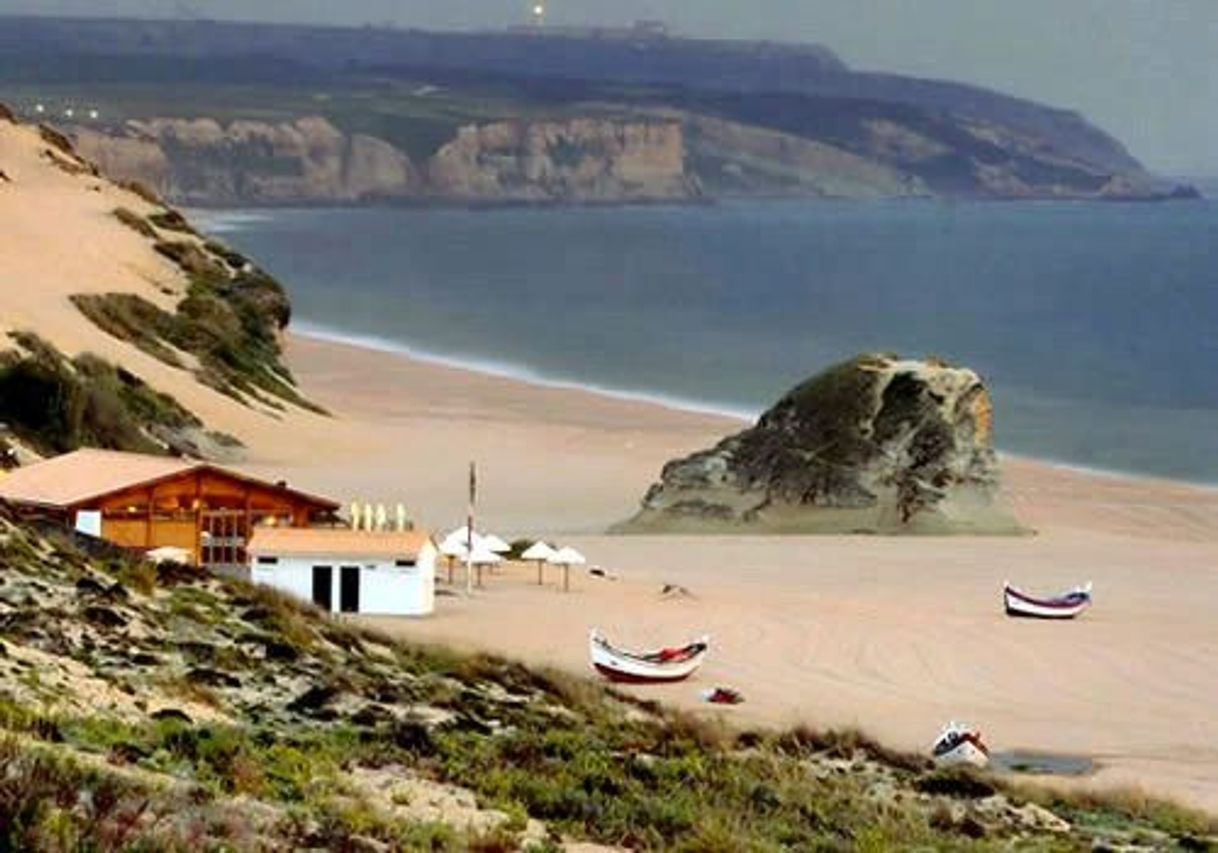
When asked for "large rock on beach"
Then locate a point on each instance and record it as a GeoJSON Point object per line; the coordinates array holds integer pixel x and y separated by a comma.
{"type": "Point", "coordinates": [876, 444]}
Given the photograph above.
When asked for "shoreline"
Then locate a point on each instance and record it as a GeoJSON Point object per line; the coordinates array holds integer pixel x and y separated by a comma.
{"type": "Point", "coordinates": [527, 376]}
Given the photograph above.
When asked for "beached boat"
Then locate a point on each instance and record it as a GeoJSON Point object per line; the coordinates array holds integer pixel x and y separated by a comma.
{"type": "Point", "coordinates": [653, 667]}
{"type": "Point", "coordinates": [1065, 606]}
{"type": "Point", "coordinates": [960, 744]}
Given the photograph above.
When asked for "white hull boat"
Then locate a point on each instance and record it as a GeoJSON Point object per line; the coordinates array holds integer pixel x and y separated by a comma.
{"type": "Point", "coordinates": [1065, 606]}
{"type": "Point", "coordinates": [960, 744]}
{"type": "Point", "coordinates": [653, 667]}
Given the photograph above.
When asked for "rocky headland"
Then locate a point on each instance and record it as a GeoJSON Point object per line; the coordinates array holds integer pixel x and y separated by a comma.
{"type": "Point", "coordinates": [877, 444]}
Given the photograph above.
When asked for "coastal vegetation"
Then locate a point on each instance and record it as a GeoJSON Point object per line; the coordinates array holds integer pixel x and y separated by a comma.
{"type": "Point", "coordinates": [56, 404]}
{"type": "Point", "coordinates": [227, 326]}
{"type": "Point", "coordinates": [169, 709]}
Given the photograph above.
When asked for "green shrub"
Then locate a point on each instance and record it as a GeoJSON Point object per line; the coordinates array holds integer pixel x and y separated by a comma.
{"type": "Point", "coordinates": [143, 191]}
{"type": "Point", "coordinates": [135, 222]}
{"type": "Point", "coordinates": [171, 220]}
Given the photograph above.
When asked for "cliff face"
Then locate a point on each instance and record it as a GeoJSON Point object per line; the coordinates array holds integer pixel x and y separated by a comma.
{"type": "Point", "coordinates": [201, 161]}
{"type": "Point", "coordinates": [780, 146]}
{"type": "Point", "coordinates": [874, 445]}
{"type": "Point", "coordinates": [738, 159]}
{"type": "Point", "coordinates": [579, 160]}
{"type": "Point", "coordinates": [310, 161]}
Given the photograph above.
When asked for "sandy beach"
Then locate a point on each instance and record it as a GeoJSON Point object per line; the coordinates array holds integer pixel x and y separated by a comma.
{"type": "Point", "coordinates": [892, 635]}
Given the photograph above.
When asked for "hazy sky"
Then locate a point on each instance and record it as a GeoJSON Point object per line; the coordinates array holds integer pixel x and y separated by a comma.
{"type": "Point", "coordinates": [1145, 70]}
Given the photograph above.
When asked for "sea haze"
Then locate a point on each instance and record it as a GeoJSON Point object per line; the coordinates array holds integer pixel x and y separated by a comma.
{"type": "Point", "coordinates": [1096, 325]}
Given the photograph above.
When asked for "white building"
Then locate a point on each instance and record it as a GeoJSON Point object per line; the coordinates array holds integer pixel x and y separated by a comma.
{"type": "Point", "coordinates": [383, 572]}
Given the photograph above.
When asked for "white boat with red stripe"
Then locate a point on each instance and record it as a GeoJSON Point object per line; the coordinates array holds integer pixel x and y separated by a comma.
{"type": "Point", "coordinates": [1065, 606]}
{"type": "Point", "coordinates": [959, 743]}
{"type": "Point", "coordinates": [660, 666]}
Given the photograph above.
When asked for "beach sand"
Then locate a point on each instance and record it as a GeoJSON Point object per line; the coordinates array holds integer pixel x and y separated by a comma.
{"type": "Point", "coordinates": [894, 635]}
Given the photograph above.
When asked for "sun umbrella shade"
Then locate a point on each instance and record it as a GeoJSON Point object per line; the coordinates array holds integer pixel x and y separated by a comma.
{"type": "Point", "coordinates": [568, 557]}
{"type": "Point", "coordinates": [539, 551]}
{"type": "Point", "coordinates": [453, 548]}
{"type": "Point", "coordinates": [494, 543]}
{"type": "Point", "coordinates": [483, 556]}
{"type": "Point", "coordinates": [460, 537]}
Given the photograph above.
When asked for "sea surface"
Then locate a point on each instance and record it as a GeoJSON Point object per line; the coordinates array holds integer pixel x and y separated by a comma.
{"type": "Point", "coordinates": [1095, 325]}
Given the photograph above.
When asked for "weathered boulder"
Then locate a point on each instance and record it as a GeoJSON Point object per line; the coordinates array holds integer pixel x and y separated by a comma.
{"type": "Point", "coordinates": [876, 444]}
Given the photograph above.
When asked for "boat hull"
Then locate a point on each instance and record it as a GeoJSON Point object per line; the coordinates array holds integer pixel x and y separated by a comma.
{"type": "Point", "coordinates": [1021, 605]}
{"type": "Point", "coordinates": [966, 753]}
{"type": "Point", "coordinates": [619, 677]}
{"type": "Point", "coordinates": [626, 668]}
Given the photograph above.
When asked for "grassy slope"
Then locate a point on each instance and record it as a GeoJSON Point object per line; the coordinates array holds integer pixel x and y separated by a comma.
{"type": "Point", "coordinates": [176, 711]}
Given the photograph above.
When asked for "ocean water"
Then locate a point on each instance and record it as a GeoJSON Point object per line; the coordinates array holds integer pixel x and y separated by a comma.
{"type": "Point", "coordinates": [1095, 325]}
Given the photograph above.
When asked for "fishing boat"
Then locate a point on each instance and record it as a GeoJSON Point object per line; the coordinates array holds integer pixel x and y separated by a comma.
{"type": "Point", "coordinates": [960, 744]}
{"type": "Point", "coordinates": [1065, 606]}
{"type": "Point", "coordinates": [654, 667]}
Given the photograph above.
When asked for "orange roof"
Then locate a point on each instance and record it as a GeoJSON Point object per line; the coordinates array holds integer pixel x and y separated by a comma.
{"type": "Point", "coordinates": [84, 475]}
{"type": "Point", "coordinates": [318, 541]}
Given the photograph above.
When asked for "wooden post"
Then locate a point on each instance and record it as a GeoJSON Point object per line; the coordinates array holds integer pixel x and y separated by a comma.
{"type": "Point", "coordinates": [539, 572]}
{"type": "Point", "coordinates": [566, 577]}
{"type": "Point", "coordinates": [469, 530]}
{"type": "Point", "coordinates": [150, 506]}
{"type": "Point", "coordinates": [197, 508]}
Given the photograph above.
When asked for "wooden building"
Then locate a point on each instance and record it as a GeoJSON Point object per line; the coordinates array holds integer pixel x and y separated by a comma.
{"type": "Point", "coordinates": [147, 502]}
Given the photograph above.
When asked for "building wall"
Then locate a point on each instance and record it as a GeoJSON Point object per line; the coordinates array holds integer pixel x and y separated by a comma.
{"type": "Point", "coordinates": [184, 504]}
{"type": "Point", "coordinates": [385, 589]}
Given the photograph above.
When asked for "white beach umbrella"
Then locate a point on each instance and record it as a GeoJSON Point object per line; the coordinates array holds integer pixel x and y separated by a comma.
{"type": "Point", "coordinates": [461, 534]}
{"type": "Point", "coordinates": [484, 556]}
{"type": "Point", "coordinates": [452, 550]}
{"type": "Point", "coordinates": [539, 551]}
{"type": "Point", "coordinates": [495, 543]}
{"type": "Point", "coordinates": [542, 553]}
{"type": "Point", "coordinates": [567, 557]}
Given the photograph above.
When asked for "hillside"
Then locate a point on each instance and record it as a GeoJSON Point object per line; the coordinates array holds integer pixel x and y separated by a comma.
{"type": "Point", "coordinates": [305, 115]}
{"type": "Point", "coordinates": [122, 327]}
{"type": "Point", "coordinates": [168, 710]}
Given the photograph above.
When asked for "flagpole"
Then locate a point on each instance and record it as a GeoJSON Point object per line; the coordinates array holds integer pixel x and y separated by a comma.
{"type": "Point", "coordinates": [469, 531]}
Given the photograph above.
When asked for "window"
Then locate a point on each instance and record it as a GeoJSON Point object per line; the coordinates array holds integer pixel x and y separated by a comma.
{"type": "Point", "coordinates": [268, 561]}
{"type": "Point", "coordinates": [405, 564]}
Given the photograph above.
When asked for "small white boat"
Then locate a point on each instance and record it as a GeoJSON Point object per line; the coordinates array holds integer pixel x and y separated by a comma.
{"type": "Point", "coordinates": [1065, 606]}
{"type": "Point", "coordinates": [960, 744]}
{"type": "Point", "coordinates": [654, 667]}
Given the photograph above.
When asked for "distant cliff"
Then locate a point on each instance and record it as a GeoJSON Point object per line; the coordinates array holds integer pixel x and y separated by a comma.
{"type": "Point", "coordinates": [310, 161]}
{"type": "Point", "coordinates": [653, 153]}
{"type": "Point", "coordinates": [282, 114]}
{"type": "Point", "coordinates": [586, 160]}
{"type": "Point", "coordinates": [200, 161]}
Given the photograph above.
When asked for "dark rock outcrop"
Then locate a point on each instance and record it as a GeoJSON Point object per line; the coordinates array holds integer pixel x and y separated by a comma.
{"type": "Point", "coordinates": [874, 445]}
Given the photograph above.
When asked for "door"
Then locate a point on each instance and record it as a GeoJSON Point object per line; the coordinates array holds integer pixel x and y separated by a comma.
{"type": "Point", "coordinates": [323, 586]}
{"type": "Point", "coordinates": [349, 591]}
